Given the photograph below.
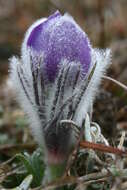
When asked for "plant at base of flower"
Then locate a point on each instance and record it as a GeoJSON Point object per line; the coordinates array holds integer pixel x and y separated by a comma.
{"type": "Point", "coordinates": [57, 78]}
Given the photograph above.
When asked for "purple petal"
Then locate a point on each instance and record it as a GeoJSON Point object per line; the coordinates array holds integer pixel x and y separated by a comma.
{"type": "Point", "coordinates": [60, 38]}
{"type": "Point", "coordinates": [36, 35]}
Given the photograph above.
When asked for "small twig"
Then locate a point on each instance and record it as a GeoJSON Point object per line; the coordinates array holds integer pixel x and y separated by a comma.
{"type": "Point", "coordinates": [120, 146]}
{"type": "Point", "coordinates": [87, 179]}
{"type": "Point", "coordinates": [95, 181]}
{"type": "Point", "coordinates": [8, 147]}
{"type": "Point", "coordinates": [116, 82]}
{"type": "Point", "coordinates": [74, 153]}
{"type": "Point", "coordinates": [14, 171]}
{"type": "Point", "coordinates": [102, 148]}
{"type": "Point", "coordinates": [7, 162]}
{"type": "Point", "coordinates": [124, 186]}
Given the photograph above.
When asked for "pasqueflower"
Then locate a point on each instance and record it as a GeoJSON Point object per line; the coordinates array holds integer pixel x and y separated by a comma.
{"type": "Point", "coordinates": [56, 80]}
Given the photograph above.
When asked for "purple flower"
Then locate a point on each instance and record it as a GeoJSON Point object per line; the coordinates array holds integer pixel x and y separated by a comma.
{"type": "Point", "coordinates": [59, 37]}
{"type": "Point", "coordinates": [56, 80]}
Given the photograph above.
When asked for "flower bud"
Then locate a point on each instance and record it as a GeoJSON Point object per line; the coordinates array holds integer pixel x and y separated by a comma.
{"type": "Point", "coordinates": [58, 38]}
{"type": "Point", "coordinates": [56, 80]}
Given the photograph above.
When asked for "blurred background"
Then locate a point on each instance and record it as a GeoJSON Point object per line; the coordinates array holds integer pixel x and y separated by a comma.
{"type": "Point", "coordinates": [105, 22]}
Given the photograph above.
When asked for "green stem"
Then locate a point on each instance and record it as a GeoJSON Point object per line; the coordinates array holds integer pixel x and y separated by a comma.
{"type": "Point", "coordinates": [56, 171]}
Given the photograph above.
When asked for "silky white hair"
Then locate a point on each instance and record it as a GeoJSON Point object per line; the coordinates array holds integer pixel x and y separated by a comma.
{"type": "Point", "coordinates": [43, 102]}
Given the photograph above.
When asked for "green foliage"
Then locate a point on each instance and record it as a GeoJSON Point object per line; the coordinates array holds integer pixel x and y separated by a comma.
{"type": "Point", "coordinates": [25, 165]}
{"type": "Point", "coordinates": [14, 180]}
{"type": "Point", "coordinates": [33, 165]}
{"type": "Point", "coordinates": [25, 183]}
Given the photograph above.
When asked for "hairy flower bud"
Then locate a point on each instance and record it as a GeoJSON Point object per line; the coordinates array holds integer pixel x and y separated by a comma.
{"type": "Point", "coordinates": [59, 37]}
{"type": "Point", "coordinates": [56, 81]}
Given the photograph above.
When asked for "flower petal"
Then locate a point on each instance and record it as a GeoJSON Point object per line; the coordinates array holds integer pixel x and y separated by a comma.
{"type": "Point", "coordinates": [59, 37]}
